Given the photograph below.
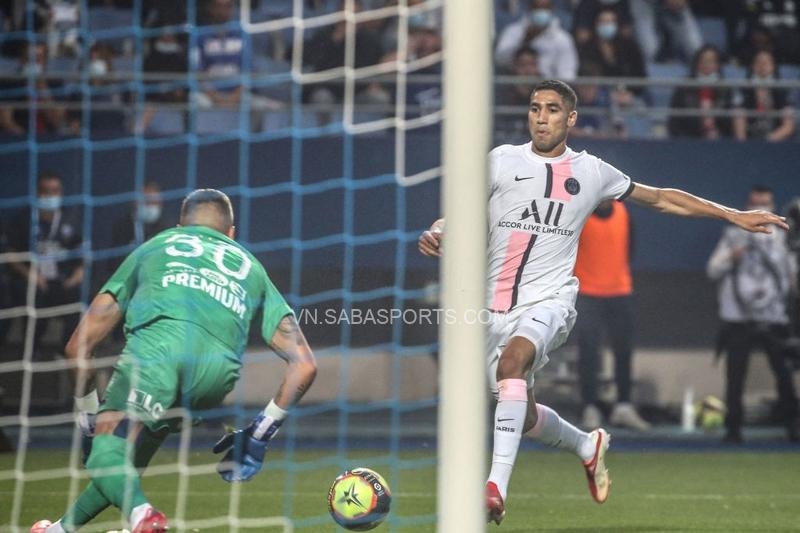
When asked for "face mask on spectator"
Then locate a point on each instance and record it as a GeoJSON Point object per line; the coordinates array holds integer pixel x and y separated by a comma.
{"type": "Point", "coordinates": [48, 203]}
{"type": "Point", "coordinates": [31, 68]}
{"type": "Point", "coordinates": [541, 17]}
{"type": "Point", "coordinates": [167, 47]}
{"type": "Point", "coordinates": [148, 213]}
{"type": "Point", "coordinates": [607, 30]}
{"type": "Point", "coordinates": [98, 67]}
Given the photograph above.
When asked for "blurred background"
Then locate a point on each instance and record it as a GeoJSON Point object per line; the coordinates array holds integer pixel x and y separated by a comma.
{"type": "Point", "coordinates": [323, 125]}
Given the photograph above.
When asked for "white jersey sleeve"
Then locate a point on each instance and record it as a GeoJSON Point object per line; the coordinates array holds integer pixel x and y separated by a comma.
{"type": "Point", "coordinates": [616, 185]}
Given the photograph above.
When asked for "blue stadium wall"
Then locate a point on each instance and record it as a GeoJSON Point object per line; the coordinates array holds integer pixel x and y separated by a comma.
{"type": "Point", "coordinates": [675, 303]}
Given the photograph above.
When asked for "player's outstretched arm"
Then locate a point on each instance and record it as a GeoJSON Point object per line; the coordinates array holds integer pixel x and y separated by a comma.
{"type": "Point", "coordinates": [246, 447]}
{"type": "Point", "coordinates": [678, 202]}
{"type": "Point", "coordinates": [430, 241]}
{"type": "Point", "coordinates": [98, 321]}
{"type": "Point", "coordinates": [289, 343]}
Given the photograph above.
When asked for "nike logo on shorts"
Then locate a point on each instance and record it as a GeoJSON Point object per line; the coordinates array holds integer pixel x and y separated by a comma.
{"type": "Point", "coordinates": [540, 322]}
{"type": "Point", "coordinates": [517, 178]}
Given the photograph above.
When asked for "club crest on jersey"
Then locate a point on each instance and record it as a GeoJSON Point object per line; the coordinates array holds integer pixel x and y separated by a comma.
{"type": "Point", "coordinates": [572, 186]}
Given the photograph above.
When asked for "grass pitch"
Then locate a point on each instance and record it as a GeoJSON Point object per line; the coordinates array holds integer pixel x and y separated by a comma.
{"type": "Point", "coordinates": [705, 491]}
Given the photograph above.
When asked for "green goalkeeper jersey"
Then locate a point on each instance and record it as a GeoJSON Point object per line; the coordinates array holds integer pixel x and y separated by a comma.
{"type": "Point", "coordinates": [199, 275]}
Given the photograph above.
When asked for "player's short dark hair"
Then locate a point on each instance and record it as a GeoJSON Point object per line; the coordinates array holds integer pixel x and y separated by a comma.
{"type": "Point", "coordinates": [762, 189]}
{"type": "Point", "coordinates": [196, 203]}
{"type": "Point", "coordinates": [564, 91]}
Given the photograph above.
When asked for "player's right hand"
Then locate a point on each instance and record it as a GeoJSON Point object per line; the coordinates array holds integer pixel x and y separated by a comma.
{"type": "Point", "coordinates": [245, 452]}
{"type": "Point", "coordinates": [430, 242]}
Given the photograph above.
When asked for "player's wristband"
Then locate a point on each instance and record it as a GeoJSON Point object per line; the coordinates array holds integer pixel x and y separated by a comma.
{"type": "Point", "coordinates": [268, 423]}
{"type": "Point", "coordinates": [89, 403]}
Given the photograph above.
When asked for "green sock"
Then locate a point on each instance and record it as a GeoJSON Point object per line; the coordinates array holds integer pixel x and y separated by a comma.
{"type": "Point", "coordinates": [122, 488]}
{"type": "Point", "coordinates": [91, 501]}
{"type": "Point", "coordinates": [89, 504]}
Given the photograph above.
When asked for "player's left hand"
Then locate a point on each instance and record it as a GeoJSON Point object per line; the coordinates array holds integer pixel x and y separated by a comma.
{"type": "Point", "coordinates": [758, 221]}
{"type": "Point", "coordinates": [245, 452]}
{"type": "Point", "coordinates": [86, 423]}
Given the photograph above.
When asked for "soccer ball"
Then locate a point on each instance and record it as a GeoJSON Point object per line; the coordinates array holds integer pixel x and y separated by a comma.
{"type": "Point", "coordinates": [359, 499]}
{"type": "Point", "coordinates": [41, 526]}
{"type": "Point", "coordinates": [710, 413]}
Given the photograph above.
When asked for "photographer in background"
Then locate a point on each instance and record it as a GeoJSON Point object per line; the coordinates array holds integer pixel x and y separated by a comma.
{"type": "Point", "coordinates": [755, 275]}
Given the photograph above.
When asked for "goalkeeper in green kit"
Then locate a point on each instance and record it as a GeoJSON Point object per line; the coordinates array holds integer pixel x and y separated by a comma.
{"type": "Point", "coordinates": [188, 296]}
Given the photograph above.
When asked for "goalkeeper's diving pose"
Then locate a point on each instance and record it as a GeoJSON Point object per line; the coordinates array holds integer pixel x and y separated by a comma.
{"type": "Point", "coordinates": [188, 296]}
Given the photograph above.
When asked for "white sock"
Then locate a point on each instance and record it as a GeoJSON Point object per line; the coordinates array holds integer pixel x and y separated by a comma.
{"type": "Point", "coordinates": [138, 512]}
{"type": "Point", "coordinates": [552, 430]}
{"type": "Point", "coordinates": [509, 418]}
{"type": "Point", "coordinates": [56, 528]}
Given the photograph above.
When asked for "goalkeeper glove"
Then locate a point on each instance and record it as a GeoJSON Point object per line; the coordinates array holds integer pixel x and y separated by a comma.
{"type": "Point", "coordinates": [246, 447]}
{"type": "Point", "coordinates": [87, 417]}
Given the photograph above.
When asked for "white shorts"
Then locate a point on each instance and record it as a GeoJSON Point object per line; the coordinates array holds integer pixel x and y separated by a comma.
{"type": "Point", "coordinates": [546, 324]}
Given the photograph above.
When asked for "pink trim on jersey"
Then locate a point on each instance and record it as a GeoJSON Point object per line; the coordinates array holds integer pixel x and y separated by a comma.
{"type": "Point", "coordinates": [504, 289]}
{"type": "Point", "coordinates": [562, 171]}
{"type": "Point", "coordinates": [515, 390]}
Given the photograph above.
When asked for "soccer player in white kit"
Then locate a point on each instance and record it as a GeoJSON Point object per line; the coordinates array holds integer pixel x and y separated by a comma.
{"type": "Point", "coordinates": [540, 195]}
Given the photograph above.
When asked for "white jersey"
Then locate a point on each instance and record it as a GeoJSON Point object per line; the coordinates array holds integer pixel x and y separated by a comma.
{"type": "Point", "coordinates": [537, 209]}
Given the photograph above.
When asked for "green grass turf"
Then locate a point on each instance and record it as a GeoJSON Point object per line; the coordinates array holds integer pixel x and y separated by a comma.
{"type": "Point", "coordinates": [651, 492]}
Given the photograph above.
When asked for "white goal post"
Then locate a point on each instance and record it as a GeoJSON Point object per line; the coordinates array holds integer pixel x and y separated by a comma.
{"type": "Point", "coordinates": [463, 398]}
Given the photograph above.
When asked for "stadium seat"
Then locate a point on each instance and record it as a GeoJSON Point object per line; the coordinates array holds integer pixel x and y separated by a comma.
{"type": "Point", "coordinates": [105, 18]}
{"type": "Point", "coordinates": [216, 121]}
{"type": "Point", "coordinates": [789, 72]}
{"type": "Point", "coordinates": [713, 31]}
{"type": "Point", "coordinates": [62, 64]}
{"type": "Point", "coordinates": [734, 72]}
{"type": "Point", "coordinates": [8, 64]}
{"type": "Point", "coordinates": [123, 64]}
{"type": "Point", "coordinates": [660, 95]}
{"type": "Point", "coordinates": [166, 122]}
{"type": "Point", "coordinates": [275, 120]}
{"type": "Point", "coordinates": [501, 20]}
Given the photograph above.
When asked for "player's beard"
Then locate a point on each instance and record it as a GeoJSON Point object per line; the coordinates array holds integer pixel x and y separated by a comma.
{"type": "Point", "coordinates": [548, 145]}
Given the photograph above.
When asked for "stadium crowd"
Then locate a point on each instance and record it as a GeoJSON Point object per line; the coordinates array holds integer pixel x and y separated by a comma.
{"type": "Point", "coordinates": [144, 69]}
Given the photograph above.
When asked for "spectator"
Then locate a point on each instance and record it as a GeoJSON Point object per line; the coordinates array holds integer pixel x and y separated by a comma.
{"type": "Point", "coordinates": [754, 274]}
{"type": "Point", "coordinates": [541, 30]}
{"type": "Point", "coordinates": [605, 304]}
{"type": "Point", "coordinates": [598, 117]}
{"type": "Point", "coordinates": [106, 96]}
{"type": "Point", "coordinates": [525, 64]}
{"type": "Point", "coordinates": [167, 56]}
{"type": "Point", "coordinates": [144, 220]}
{"type": "Point", "coordinates": [14, 116]}
{"type": "Point", "coordinates": [586, 13]}
{"type": "Point", "coordinates": [781, 19]}
{"type": "Point", "coordinates": [706, 67]}
{"type": "Point", "coordinates": [665, 21]}
{"type": "Point", "coordinates": [220, 56]}
{"type": "Point", "coordinates": [612, 54]}
{"type": "Point", "coordinates": [54, 233]}
{"type": "Point", "coordinates": [326, 51]}
{"type": "Point", "coordinates": [764, 101]}
{"type": "Point", "coordinates": [756, 39]}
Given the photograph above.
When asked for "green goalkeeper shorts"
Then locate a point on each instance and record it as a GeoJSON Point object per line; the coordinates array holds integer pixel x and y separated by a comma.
{"type": "Point", "coordinates": [167, 365]}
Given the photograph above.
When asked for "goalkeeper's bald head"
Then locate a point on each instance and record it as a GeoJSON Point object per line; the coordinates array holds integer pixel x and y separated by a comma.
{"type": "Point", "coordinates": [208, 207]}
